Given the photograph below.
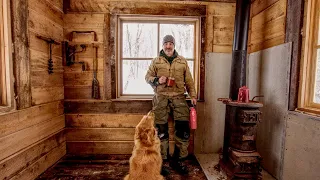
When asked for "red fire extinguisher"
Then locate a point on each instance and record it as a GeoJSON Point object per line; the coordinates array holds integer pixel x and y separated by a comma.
{"type": "Point", "coordinates": [193, 117]}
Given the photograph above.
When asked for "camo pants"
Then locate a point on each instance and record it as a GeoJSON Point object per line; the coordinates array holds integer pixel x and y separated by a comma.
{"type": "Point", "coordinates": [178, 109]}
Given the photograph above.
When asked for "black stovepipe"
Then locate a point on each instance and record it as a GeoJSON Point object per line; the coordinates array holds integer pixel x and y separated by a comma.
{"type": "Point", "coordinates": [239, 49]}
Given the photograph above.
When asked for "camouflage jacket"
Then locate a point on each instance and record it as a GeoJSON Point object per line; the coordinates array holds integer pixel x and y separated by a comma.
{"type": "Point", "coordinates": [178, 69]}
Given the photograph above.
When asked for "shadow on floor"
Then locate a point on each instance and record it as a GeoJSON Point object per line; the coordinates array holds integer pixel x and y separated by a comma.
{"type": "Point", "coordinates": [108, 167]}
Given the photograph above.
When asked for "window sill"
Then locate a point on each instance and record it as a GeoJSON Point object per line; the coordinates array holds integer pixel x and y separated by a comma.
{"type": "Point", "coordinates": [127, 98]}
{"type": "Point", "coordinates": [102, 100]}
{"type": "Point", "coordinates": [303, 114]}
{"type": "Point", "coordinates": [314, 112]}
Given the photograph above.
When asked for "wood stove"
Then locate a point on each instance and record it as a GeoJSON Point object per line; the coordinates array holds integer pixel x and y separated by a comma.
{"type": "Point", "coordinates": [240, 158]}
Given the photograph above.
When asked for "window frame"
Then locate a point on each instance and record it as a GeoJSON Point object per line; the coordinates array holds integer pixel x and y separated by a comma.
{"type": "Point", "coordinates": [156, 19]}
{"type": "Point", "coordinates": [6, 68]}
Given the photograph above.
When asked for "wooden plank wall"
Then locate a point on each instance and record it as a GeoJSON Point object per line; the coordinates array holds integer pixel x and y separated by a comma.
{"type": "Point", "coordinates": [78, 83]}
{"type": "Point", "coordinates": [267, 26]}
{"type": "Point", "coordinates": [104, 126]}
{"type": "Point", "coordinates": [45, 19]}
{"type": "Point", "coordinates": [33, 139]}
{"type": "Point", "coordinates": [29, 136]}
{"type": "Point", "coordinates": [103, 133]}
{"type": "Point", "coordinates": [108, 129]}
{"type": "Point", "coordinates": [219, 27]}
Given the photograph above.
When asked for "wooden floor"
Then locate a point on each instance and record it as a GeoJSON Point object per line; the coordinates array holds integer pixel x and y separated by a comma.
{"type": "Point", "coordinates": [108, 167]}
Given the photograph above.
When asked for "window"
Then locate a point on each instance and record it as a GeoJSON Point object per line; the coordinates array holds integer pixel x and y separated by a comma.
{"type": "Point", "coordinates": [6, 99]}
{"type": "Point", "coordinates": [141, 41]}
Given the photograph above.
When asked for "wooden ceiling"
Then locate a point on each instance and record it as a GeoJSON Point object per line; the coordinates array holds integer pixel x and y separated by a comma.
{"type": "Point", "coordinates": [109, 5]}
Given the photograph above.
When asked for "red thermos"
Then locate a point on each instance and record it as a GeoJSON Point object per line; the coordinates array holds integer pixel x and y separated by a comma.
{"type": "Point", "coordinates": [243, 94]}
{"type": "Point", "coordinates": [193, 118]}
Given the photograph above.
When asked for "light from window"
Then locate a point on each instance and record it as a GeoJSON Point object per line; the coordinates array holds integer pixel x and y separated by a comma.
{"type": "Point", "coordinates": [141, 41]}
{"type": "Point", "coordinates": [316, 96]}
{"type": "Point", "coordinates": [6, 83]}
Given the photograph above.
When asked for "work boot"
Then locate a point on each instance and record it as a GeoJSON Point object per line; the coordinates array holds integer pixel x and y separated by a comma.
{"type": "Point", "coordinates": [179, 166]}
{"type": "Point", "coordinates": [164, 171]}
{"type": "Point", "coordinates": [176, 163]}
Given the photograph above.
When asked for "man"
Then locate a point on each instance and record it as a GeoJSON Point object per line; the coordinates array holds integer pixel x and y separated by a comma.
{"type": "Point", "coordinates": [169, 98]}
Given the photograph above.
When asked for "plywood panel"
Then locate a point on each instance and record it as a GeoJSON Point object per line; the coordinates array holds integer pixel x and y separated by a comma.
{"type": "Point", "coordinates": [274, 64]}
{"type": "Point", "coordinates": [84, 78]}
{"type": "Point", "coordinates": [35, 169]}
{"type": "Point", "coordinates": [16, 121]}
{"type": "Point", "coordinates": [12, 165]}
{"type": "Point", "coordinates": [42, 95]}
{"type": "Point", "coordinates": [12, 143]}
{"type": "Point", "coordinates": [109, 120]}
{"type": "Point", "coordinates": [44, 8]}
{"type": "Point", "coordinates": [104, 134]}
{"type": "Point", "coordinates": [42, 26]}
{"type": "Point", "coordinates": [211, 130]}
{"type": "Point", "coordinates": [39, 61]}
{"type": "Point", "coordinates": [81, 92]}
{"type": "Point", "coordinates": [43, 78]}
{"type": "Point", "coordinates": [302, 147]}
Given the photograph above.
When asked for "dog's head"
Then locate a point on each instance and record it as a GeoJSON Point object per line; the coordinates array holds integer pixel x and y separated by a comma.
{"type": "Point", "coordinates": [145, 131]}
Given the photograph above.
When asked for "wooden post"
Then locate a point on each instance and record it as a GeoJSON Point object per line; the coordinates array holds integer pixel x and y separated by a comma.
{"type": "Point", "coordinates": [294, 24]}
{"type": "Point", "coordinates": [21, 60]}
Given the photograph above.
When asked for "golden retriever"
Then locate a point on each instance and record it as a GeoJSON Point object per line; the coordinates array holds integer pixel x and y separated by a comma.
{"type": "Point", "coordinates": [146, 161]}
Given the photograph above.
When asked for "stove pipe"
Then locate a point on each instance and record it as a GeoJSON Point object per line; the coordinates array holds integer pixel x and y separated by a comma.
{"type": "Point", "coordinates": [239, 50]}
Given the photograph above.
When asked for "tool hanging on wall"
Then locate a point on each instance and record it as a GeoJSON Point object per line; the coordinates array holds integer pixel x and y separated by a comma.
{"type": "Point", "coordinates": [50, 42]}
{"type": "Point", "coordinates": [71, 50]}
{"type": "Point", "coordinates": [95, 82]}
{"type": "Point", "coordinates": [70, 54]}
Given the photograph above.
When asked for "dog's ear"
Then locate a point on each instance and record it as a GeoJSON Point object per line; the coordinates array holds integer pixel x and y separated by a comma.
{"type": "Point", "coordinates": [146, 136]}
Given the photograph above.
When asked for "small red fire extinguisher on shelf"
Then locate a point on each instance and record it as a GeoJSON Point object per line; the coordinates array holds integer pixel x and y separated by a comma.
{"type": "Point", "coordinates": [193, 118]}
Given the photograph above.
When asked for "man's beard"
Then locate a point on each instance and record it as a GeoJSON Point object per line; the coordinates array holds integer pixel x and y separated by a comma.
{"type": "Point", "coordinates": [169, 51]}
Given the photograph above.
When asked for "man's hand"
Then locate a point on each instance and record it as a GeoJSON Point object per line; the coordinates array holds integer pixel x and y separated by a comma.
{"type": "Point", "coordinates": [194, 101]}
{"type": "Point", "coordinates": [162, 80]}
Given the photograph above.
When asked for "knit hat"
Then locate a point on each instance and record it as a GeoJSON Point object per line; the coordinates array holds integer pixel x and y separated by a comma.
{"type": "Point", "coordinates": [168, 38]}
